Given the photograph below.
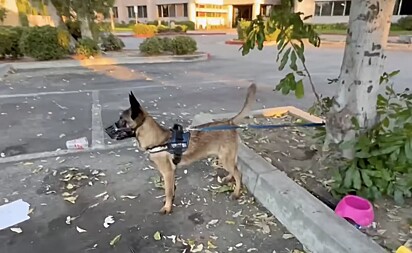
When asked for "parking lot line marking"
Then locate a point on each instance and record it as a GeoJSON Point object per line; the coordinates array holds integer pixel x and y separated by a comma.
{"type": "Point", "coordinates": [62, 152]}
{"type": "Point", "coordinates": [79, 91]}
{"type": "Point", "coordinates": [97, 124]}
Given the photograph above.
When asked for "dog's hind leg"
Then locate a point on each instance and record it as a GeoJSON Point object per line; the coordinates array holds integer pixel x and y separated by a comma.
{"type": "Point", "coordinates": [228, 158]}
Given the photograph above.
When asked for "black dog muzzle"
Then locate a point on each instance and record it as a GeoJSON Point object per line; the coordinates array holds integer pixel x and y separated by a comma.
{"type": "Point", "coordinates": [119, 133]}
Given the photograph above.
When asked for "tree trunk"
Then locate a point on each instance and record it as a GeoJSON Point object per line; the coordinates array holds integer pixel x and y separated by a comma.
{"type": "Point", "coordinates": [85, 27]}
{"type": "Point", "coordinates": [58, 22]}
{"type": "Point", "coordinates": [362, 66]}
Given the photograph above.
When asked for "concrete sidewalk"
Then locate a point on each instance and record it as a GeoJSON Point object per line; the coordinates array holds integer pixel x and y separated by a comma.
{"type": "Point", "coordinates": [122, 184]}
{"type": "Point", "coordinates": [106, 61]}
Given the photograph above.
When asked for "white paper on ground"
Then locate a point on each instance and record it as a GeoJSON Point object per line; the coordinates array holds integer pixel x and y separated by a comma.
{"type": "Point", "coordinates": [13, 213]}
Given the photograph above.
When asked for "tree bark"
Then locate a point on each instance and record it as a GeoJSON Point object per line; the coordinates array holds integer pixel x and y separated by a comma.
{"type": "Point", "coordinates": [85, 27]}
{"type": "Point", "coordinates": [362, 66]}
{"type": "Point", "coordinates": [58, 22]}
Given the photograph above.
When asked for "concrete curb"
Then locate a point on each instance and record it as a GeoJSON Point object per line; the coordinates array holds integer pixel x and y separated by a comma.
{"type": "Point", "coordinates": [131, 35]}
{"type": "Point", "coordinates": [105, 61]}
{"type": "Point", "coordinates": [389, 45]}
{"type": "Point", "coordinates": [63, 152]}
{"type": "Point", "coordinates": [5, 69]}
{"type": "Point", "coordinates": [312, 222]}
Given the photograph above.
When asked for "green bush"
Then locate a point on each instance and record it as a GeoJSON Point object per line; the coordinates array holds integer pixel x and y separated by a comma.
{"type": "Point", "coordinates": [179, 45]}
{"type": "Point", "coordinates": [43, 43]}
{"type": "Point", "coordinates": [189, 24]}
{"type": "Point", "coordinates": [176, 29]}
{"type": "Point", "coordinates": [151, 46]}
{"type": "Point", "coordinates": [167, 44]}
{"type": "Point", "coordinates": [142, 29]}
{"type": "Point", "coordinates": [74, 29]}
{"type": "Point", "coordinates": [163, 29]}
{"type": "Point", "coordinates": [383, 154]}
{"type": "Point", "coordinates": [241, 29]}
{"type": "Point", "coordinates": [184, 45]}
{"type": "Point", "coordinates": [87, 48]}
{"type": "Point", "coordinates": [112, 43]}
{"type": "Point", "coordinates": [9, 42]}
{"type": "Point", "coordinates": [155, 23]}
{"type": "Point", "coordinates": [405, 23]}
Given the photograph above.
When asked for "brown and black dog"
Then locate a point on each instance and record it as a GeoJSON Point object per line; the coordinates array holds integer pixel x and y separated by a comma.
{"type": "Point", "coordinates": [220, 144]}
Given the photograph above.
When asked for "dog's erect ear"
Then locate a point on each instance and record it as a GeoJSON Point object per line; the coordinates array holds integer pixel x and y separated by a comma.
{"type": "Point", "coordinates": [135, 106]}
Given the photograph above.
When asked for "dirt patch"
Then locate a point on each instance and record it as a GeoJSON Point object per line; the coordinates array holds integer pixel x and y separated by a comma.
{"type": "Point", "coordinates": [295, 152]}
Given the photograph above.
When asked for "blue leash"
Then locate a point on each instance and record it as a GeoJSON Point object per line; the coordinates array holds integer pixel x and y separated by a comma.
{"type": "Point", "coordinates": [231, 127]}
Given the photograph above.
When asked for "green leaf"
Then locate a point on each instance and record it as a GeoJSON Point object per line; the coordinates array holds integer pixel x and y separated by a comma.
{"type": "Point", "coordinates": [285, 59]}
{"type": "Point", "coordinates": [357, 183]}
{"type": "Point", "coordinates": [385, 151]}
{"type": "Point", "coordinates": [347, 144]}
{"type": "Point", "coordinates": [366, 179]}
{"type": "Point", "coordinates": [408, 148]}
{"type": "Point", "coordinates": [347, 182]}
{"type": "Point", "coordinates": [385, 122]}
{"type": "Point", "coordinates": [299, 91]}
{"type": "Point", "coordinates": [293, 59]}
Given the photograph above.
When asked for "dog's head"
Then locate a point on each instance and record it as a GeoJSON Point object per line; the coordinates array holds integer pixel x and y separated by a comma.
{"type": "Point", "coordinates": [129, 121]}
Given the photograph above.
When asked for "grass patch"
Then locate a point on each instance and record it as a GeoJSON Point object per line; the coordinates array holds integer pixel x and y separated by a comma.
{"type": "Point", "coordinates": [123, 29]}
{"type": "Point", "coordinates": [344, 32]}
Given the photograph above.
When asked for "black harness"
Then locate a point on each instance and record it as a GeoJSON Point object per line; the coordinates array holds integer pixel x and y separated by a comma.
{"type": "Point", "coordinates": [176, 145]}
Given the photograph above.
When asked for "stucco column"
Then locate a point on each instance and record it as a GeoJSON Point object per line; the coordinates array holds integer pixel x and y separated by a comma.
{"type": "Point", "coordinates": [255, 10]}
{"type": "Point", "coordinates": [12, 15]}
{"type": "Point", "coordinates": [230, 16]}
{"type": "Point", "coordinates": [191, 9]}
{"type": "Point", "coordinates": [151, 11]}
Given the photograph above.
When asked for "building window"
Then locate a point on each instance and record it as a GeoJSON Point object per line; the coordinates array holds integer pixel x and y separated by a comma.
{"type": "Point", "coordinates": [130, 12]}
{"type": "Point", "coordinates": [265, 9]}
{"type": "Point", "coordinates": [172, 10]}
{"type": "Point", "coordinates": [332, 8]}
{"type": "Point", "coordinates": [209, 14]}
{"type": "Point", "coordinates": [115, 12]}
{"type": "Point", "coordinates": [185, 10]}
{"type": "Point", "coordinates": [338, 8]}
{"type": "Point", "coordinates": [403, 7]}
{"type": "Point", "coordinates": [142, 11]}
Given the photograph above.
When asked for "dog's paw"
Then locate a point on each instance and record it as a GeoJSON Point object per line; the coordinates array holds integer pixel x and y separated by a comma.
{"type": "Point", "coordinates": [235, 196]}
{"type": "Point", "coordinates": [166, 210]}
{"type": "Point", "coordinates": [227, 179]}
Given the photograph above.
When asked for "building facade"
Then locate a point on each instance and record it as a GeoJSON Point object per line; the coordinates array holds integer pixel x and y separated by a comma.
{"type": "Point", "coordinates": [226, 13]}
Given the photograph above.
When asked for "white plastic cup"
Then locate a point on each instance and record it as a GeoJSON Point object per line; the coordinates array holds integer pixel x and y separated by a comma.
{"type": "Point", "coordinates": [80, 143]}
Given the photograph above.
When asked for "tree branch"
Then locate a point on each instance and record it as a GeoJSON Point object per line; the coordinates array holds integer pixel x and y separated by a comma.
{"type": "Point", "coordinates": [305, 68]}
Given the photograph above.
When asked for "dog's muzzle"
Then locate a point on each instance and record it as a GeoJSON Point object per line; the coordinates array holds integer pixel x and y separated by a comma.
{"type": "Point", "coordinates": [119, 133]}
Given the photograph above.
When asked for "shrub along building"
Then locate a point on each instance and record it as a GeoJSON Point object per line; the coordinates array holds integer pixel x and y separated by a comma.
{"type": "Point", "coordinates": [226, 13]}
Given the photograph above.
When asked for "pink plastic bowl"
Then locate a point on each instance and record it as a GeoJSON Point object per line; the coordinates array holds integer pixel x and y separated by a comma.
{"type": "Point", "coordinates": [358, 209]}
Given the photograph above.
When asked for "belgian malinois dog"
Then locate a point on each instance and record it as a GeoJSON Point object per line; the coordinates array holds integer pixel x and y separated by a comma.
{"type": "Point", "coordinates": [223, 144]}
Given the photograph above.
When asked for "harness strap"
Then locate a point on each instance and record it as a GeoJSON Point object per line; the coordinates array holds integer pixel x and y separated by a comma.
{"type": "Point", "coordinates": [176, 145]}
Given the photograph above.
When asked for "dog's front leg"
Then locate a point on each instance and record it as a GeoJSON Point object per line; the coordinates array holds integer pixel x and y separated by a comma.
{"type": "Point", "coordinates": [167, 169]}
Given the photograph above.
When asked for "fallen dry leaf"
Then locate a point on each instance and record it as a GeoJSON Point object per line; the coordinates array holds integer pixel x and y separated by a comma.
{"type": "Point", "coordinates": [287, 236]}
{"type": "Point", "coordinates": [128, 197]}
{"type": "Point", "coordinates": [210, 245]}
{"type": "Point", "coordinates": [157, 236]}
{"type": "Point", "coordinates": [108, 221]}
{"type": "Point", "coordinates": [80, 230]}
{"type": "Point", "coordinates": [115, 240]}
{"type": "Point", "coordinates": [101, 194]}
{"type": "Point", "coordinates": [71, 199]}
{"type": "Point", "coordinates": [198, 248]}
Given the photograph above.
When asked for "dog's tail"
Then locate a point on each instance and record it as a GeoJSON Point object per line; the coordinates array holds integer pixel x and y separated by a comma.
{"type": "Point", "coordinates": [247, 106]}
